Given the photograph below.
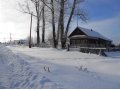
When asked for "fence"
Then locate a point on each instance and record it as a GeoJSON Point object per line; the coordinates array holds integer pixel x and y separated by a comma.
{"type": "Point", "coordinates": [95, 50]}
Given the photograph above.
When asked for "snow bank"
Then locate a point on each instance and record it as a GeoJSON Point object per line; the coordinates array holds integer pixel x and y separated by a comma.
{"type": "Point", "coordinates": [15, 72]}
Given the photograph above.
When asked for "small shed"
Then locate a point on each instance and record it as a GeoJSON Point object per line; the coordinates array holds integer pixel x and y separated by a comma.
{"type": "Point", "coordinates": [82, 37]}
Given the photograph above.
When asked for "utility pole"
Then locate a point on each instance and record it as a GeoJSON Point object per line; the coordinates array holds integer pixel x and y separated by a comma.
{"type": "Point", "coordinates": [10, 38]}
{"type": "Point", "coordinates": [30, 31]}
{"type": "Point", "coordinates": [77, 14]}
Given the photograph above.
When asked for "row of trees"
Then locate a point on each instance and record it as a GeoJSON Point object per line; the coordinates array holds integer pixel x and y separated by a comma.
{"type": "Point", "coordinates": [57, 13]}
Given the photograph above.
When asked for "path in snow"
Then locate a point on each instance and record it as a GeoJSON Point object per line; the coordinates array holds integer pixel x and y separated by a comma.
{"type": "Point", "coordinates": [64, 67]}
{"type": "Point", "coordinates": [16, 72]}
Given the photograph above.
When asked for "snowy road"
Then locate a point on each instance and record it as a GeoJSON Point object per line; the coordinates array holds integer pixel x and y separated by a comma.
{"type": "Point", "coordinates": [62, 69]}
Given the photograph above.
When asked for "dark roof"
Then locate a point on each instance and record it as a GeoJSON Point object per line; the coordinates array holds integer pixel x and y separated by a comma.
{"type": "Point", "coordinates": [91, 33]}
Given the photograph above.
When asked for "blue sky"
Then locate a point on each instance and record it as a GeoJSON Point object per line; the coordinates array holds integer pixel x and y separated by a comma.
{"type": "Point", "coordinates": [104, 17]}
{"type": "Point", "coordinates": [102, 9]}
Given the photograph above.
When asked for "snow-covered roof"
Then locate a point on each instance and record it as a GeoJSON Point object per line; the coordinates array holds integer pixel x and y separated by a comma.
{"type": "Point", "coordinates": [92, 33]}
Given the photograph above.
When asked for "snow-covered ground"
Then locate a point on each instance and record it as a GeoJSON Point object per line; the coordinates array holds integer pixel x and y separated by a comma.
{"type": "Point", "coordinates": [21, 67]}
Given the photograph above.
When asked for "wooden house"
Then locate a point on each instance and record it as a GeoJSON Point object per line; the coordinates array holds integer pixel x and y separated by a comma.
{"type": "Point", "coordinates": [82, 37]}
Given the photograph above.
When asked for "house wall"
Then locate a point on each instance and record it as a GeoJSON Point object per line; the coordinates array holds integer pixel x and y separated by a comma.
{"type": "Point", "coordinates": [85, 42]}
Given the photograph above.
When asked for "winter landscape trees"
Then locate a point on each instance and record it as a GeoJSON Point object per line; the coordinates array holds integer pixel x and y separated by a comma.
{"type": "Point", "coordinates": [57, 13]}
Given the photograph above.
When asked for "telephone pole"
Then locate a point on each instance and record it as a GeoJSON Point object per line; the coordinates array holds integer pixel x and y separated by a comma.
{"type": "Point", "coordinates": [10, 38]}
{"type": "Point", "coordinates": [30, 31]}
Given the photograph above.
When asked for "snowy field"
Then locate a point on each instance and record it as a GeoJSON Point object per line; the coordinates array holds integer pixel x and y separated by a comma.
{"type": "Point", "coordinates": [21, 67]}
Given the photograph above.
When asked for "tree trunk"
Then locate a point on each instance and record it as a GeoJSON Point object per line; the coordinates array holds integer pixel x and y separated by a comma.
{"type": "Point", "coordinates": [58, 31]}
{"type": "Point", "coordinates": [43, 22]}
{"type": "Point", "coordinates": [38, 21]}
{"type": "Point", "coordinates": [53, 24]}
{"type": "Point", "coordinates": [30, 31]}
{"type": "Point", "coordinates": [69, 20]}
{"type": "Point", "coordinates": [61, 23]}
{"type": "Point", "coordinates": [38, 34]}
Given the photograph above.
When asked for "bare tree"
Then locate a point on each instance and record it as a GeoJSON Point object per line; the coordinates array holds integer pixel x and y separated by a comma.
{"type": "Point", "coordinates": [28, 9]}
{"type": "Point", "coordinates": [59, 34]}
{"type": "Point", "coordinates": [61, 22]}
{"type": "Point", "coordinates": [53, 23]}
{"type": "Point", "coordinates": [37, 7]}
{"type": "Point", "coordinates": [51, 7]}
{"type": "Point", "coordinates": [69, 20]}
{"type": "Point", "coordinates": [72, 12]}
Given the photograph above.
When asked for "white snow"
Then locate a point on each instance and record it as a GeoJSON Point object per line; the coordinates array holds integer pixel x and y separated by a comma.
{"type": "Point", "coordinates": [21, 67]}
{"type": "Point", "coordinates": [15, 72]}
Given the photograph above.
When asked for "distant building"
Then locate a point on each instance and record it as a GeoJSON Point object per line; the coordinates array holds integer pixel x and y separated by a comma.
{"type": "Point", "coordinates": [82, 37]}
{"type": "Point", "coordinates": [21, 42]}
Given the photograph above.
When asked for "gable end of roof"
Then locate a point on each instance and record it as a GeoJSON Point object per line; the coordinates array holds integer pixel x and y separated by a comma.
{"type": "Point", "coordinates": [91, 33]}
